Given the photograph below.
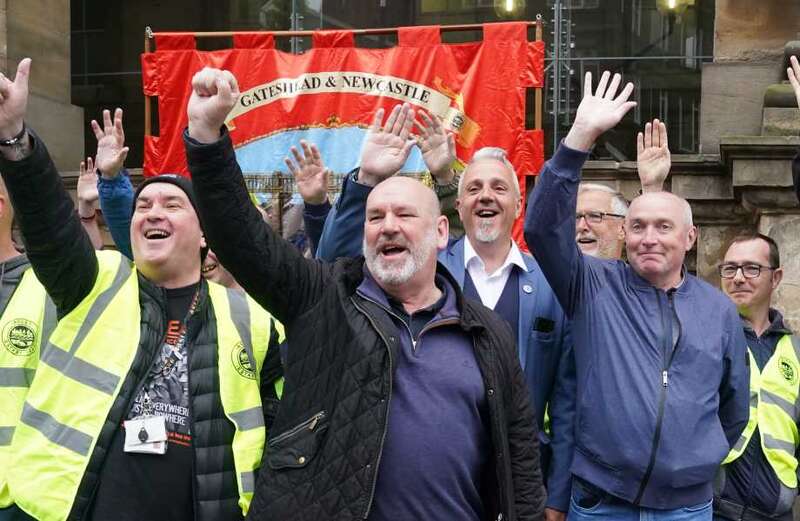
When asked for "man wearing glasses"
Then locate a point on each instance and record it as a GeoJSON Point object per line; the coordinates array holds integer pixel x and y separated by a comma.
{"type": "Point", "coordinates": [600, 213]}
{"type": "Point", "coordinates": [758, 479]}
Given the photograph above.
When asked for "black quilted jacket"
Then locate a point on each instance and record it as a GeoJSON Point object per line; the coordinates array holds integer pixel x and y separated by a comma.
{"type": "Point", "coordinates": [325, 447]}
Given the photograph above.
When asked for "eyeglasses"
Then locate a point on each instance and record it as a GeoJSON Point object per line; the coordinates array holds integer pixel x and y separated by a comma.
{"type": "Point", "coordinates": [749, 271]}
{"type": "Point", "coordinates": [596, 217]}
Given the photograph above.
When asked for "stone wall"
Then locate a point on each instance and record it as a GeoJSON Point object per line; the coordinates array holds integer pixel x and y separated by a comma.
{"type": "Point", "coordinates": [40, 29]}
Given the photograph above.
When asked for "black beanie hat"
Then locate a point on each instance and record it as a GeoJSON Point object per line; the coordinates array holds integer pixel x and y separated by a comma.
{"type": "Point", "coordinates": [185, 185]}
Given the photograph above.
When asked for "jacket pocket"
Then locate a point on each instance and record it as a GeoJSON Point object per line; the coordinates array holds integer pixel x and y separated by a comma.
{"type": "Point", "coordinates": [296, 447]}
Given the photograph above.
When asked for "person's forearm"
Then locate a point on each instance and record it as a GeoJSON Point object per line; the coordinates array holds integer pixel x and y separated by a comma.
{"type": "Point", "coordinates": [58, 248]}
{"type": "Point", "coordinates": [116, 202]}
{"type": "Point", "coordinates": [550, 222]}
{"type": "Point", "coordinates": [92, 229]}
{"type": "Point", "coordinates": [314, 216]}
{"type": "Point", "coordinates": [271, 270]}
{"type": "Point", "coordinates": [343, 233]}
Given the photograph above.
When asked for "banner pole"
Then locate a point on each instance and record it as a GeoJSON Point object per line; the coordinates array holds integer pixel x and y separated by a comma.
{"type": "Point", "coordinates": [148, 35]}
{"type": "Point", "coordinates": [537, 115]}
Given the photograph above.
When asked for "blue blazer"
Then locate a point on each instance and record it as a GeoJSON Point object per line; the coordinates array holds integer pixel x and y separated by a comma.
{"type": "Point", "coordinates": [547, 360]}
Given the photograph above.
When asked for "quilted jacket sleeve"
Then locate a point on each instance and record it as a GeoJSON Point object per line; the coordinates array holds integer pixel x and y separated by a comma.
{"type": "Point", "coordinates": [272, 271]}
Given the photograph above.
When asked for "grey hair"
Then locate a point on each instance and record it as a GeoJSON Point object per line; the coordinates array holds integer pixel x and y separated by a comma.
{"type": "Point", "coordinates": [498, 154]}
{"type": "Point", "coordinates": [618, 203]}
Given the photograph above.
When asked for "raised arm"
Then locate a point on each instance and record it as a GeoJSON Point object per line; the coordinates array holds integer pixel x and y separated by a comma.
{"type": "Point", "coordinates": [59, 250]}
{"type": "Point", "coordinates": [311, 178]}
{"type": "Point", "coordinates": [113, 184]}
{"type": "Point", "coordinates": [86, 192]}
{"type": "Point", "coordinates": [270, 269]}
{"type": "Point", "coordinates": [653, 159]}
{"type": "Point", "coordinates": [550, 218]}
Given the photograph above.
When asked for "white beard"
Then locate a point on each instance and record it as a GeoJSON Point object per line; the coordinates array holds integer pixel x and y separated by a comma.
{"type": "Point", "coordinates": [485, 232]}
{"type": "Point", "coordinates": [393, 275]}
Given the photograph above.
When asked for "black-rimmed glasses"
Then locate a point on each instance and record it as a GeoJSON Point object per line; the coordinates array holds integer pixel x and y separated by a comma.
{"type": "Point", "coordinates": [749, 271]}
{"type": "Point", "coordinates": [596, 217]}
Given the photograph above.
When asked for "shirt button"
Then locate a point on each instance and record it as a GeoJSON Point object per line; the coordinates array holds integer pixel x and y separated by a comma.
{"type": "Point", "coordinates": [301, 460]}
{"type": "Point", "coordinates": [527, 288]}
{"type": "Point", "coordinates": [490, 392]}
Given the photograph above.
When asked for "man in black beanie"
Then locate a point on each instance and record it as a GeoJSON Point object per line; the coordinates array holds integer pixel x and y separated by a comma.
{"type": "Point", "coordinates": [148, 401]}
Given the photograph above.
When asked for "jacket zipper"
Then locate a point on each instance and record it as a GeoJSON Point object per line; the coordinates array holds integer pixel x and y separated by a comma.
{"type": "Point", "coordinates": [668, 358]}
{"type": "Point", "coordinates": [388, 401]}
{"type": "Point", "coordinates": [309, 424]}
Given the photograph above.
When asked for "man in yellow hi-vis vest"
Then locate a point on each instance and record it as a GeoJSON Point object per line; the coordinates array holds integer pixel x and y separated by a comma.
{"type": "Point", "coordinates": [27, 317]}
{"type": "Point", "coordinates": [758, 479]}
{"type": "Point", "coordinates": [147, 401]}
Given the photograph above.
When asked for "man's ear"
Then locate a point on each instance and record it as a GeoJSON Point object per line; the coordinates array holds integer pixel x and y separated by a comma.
{"type": "Point", "coordinates": [777, 277]}
{"type": "Point", "coordinates": [203, 243]}
{"type": "Point", "coordinates": [691, 236]}
{"type": "Point", "coordinates": [442, 232]}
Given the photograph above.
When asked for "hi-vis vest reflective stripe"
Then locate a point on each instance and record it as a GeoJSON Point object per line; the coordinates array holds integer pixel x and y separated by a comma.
{"type": "Point", "coordinates": [775, 409]}
{"type": "Point", "coordinates": [81, 373]}
{"type": "Point", "coordinates": [27, 321]}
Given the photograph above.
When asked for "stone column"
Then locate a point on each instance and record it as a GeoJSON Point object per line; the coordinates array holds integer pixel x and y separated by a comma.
{"type": "Point", "coordinates": [40, 29]}
{"type": "Point", "coordinates": [748, 48]}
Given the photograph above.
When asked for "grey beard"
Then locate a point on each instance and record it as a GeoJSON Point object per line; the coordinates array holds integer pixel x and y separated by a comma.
{"type": "Point", "coordinates": [485, 233]}
{"type": "Point", "coordinates": [394, 276]}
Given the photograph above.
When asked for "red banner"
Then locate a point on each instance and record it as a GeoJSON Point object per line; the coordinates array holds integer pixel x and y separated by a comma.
{"type": "Point", "coordinates": [329, 94]}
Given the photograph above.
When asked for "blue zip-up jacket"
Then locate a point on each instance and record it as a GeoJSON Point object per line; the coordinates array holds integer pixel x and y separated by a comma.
{"type": "Point", "coordinates": [116, 203]}
{"type": "Point", "coordinates": [545, 356]}
{"type": "Point", "coordinates": [652, 425]}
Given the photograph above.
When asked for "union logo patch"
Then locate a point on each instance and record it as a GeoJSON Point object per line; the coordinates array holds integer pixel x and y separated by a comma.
{"type": "Point", "coordinates": [242, 363]}
{"type": "Point", "coordinates": [788, 370]}
{"type": "Point", "coordinates": [19, 337]}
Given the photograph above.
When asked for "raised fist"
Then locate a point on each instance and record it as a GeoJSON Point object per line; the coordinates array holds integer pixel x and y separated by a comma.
{"type": "Point", "coordinates": [214, 93]}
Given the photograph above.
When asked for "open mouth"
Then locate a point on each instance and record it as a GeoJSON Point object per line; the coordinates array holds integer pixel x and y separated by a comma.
{"type": "Point", "coordinates": [390, 251]}
{"type": "Point", "coordinates": [208, 268]}
{"type": "Point", "coordinates": [586, 240]}
{"type": "Point", "coordinates": [156, 234]}
{"type": "Point", "coordinates": [486, 213]}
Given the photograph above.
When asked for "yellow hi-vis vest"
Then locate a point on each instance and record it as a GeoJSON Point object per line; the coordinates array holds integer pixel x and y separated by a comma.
{"type": "Point", "coordinates": [775, 409]}
{"type": "Point", "coordinates": [82, 370]}
{"type": "Point", "coordinates": [27, 321]}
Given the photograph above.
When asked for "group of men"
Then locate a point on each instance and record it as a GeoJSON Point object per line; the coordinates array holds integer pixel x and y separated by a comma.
{"type": "Point", "coordinates": [420, 376]}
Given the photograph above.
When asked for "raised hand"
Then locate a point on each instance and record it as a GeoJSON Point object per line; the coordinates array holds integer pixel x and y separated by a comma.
{"type": "Point", "coordinates": [111, 149]}
{"type": "Point", "coordinates": [309, 173]}
{"type": "Point", "coordinates": [438, 147]}
{"type": "Point", "coordinates": [599, 111]}
{"type": "Point", "coordinates": [652, 156]}
{"type": "Point", "coordinates": [214, 93]}
{"type": "Point", "coordinates": [87, 189]}
{"type": "Point", "coordinates": [793, 72]}
{"type": "Point", "coordinates": [14, 100]}
{"type": "Point", "coordinates": [386, 147]}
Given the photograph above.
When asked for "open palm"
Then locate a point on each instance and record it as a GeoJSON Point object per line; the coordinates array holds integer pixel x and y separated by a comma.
{"type": "Point", "coordinates": [111, 149]}
{"type": "Point", "coordinates": [386, 147]}
{"type": "Point", "coordinates": [653, 159]}
{"type": "Point", "coordinates": [437, 146]}
{"type": "Point", "coordinates": [310, 174]}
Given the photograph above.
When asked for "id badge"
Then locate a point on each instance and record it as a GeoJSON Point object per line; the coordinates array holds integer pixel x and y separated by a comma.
{"type": "Point", "coordinates": [146, 435]}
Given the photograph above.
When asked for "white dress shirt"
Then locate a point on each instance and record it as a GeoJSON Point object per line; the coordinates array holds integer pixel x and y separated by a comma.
{"type": "Point", "coordinates": [490, 285]}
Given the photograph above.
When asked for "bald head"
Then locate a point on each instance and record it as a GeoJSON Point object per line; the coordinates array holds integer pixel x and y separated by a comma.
{"type": "Point", "coordinates": [658, 233]}
{"type": "Point", "coordinates": [408, 190]}
{"type": "Point", "coordinates": [667, 201]}
{"type": "Point", "coordinates": [402, 232]}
